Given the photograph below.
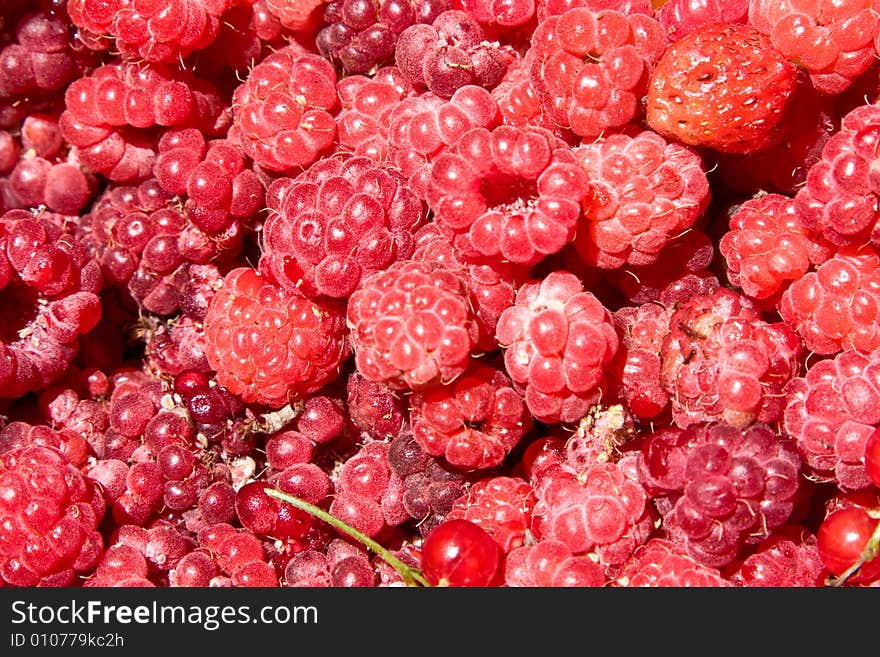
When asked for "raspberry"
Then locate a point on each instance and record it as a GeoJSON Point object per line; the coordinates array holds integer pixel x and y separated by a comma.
{"type": "Point", "coordinates": [550, 563]}
{"type": "Point", "coordinates": [366, 102]}
{"type": "Point", "coordinates": [217, 178]}
{"type": "Point", "coordinates": [767, 247]}
{"type": "Point", "coordinates": [450, 53]}
{"type": "Point", "coordinates": [599, 437]}
{"type": "Point", "coordinates": [557, 340]}
{"type": "Point", "coordinates": [500, 505]}
{"type": "Point", "coordinates": [638, 363]}
{"type": "Point", "coordinates": [834, 45]}
{"type": "Point", "coordinates": [369, 494]}
{"type": "Point", "coordinates": [591, 67]}
{"type": "Point", "coordinates": [423, 127]}
{"type": "Point", "coordinates": [645, 192]}
{"type": "Point", "coordinates": [662, 563]}
{"type": "Point", "coordinates": [474, 421]}
{"type": "Point", "coordinates": [154, 32]}
{"type": "Point", "coordinates": [360, 37]}
{"type": "Point", "coordinates": [682, 269]}
{"type": "Point", "coordinates": [282, 112]}
{"type": "Point", "coordinates": [296, 15]}
{"type": "Point", "coordinates": [723, 86]}
{"type": "Point", "coordinates": [721, 361]}
{"type": "Point", "coordinates": [831, 412]}
{"type": "Point", "coordinates": [508, 192]}
{"type": "Point", "coordinates": [431, 486]}
{"type": "Point", "coordinates": [835, 307]}
{"type": "Point", "coordinates": [49, 515]}
{"type": "Point", "coordinates": [49, 298]}
{"type": "Point", "coordinates": [503, 17]}
{"type": "Point", "coordinates": [38, 54]}
{"type": "Point", "coordinates": [412, 325]}
{"type": "Point", "coordinates": [520, 102]}
{"type": "Point", "coordinates": [839, 199]}
{"type": "Point", "coordinates": [337, 222]}
{"type": "Point", "coordinates": [681, 17]}
{"type": "Point", "coordinates": [374, 407]}
{"type": "Point", "coordinates": [789, 558]}
{"type": "Point", "coordinates": [726, 487]}
{"type": "Point", "coordinates": [270, 346]}
{"type": "Point", "coordinates": [603, 510]}
{"type": "Point", "coordinates": [547, 8]}
{"type": "Point", "coordinates": [491, 285]}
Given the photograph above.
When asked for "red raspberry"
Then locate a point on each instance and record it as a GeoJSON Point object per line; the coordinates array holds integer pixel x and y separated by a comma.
{"type": "Point", "coordinates": [604, 510]}
{"type": "Point", "coordinates": [297, 15]}
{"type": "Point", "coordinates": [513, 193]}
{"type": "Point", "coordinates": [219, 183]}
{"type": "Point", "coordinates": [788, 558]}
{"type": "Point", "coordinates": [721, 361]}
{"type": "Point", "coordinates": [550, 563]}
{"type": "Point", "coordinates": [49, 293]}
{"type": "Point", "coordinates": [520, 102]}
{"type": "Point", "coordinates": [500, 505]}
{"type": "Point", "coordinates": [366, 102]}
{"type": "Point", "coordinates": [369, 494]}
{"type": "Point", "coordinates": [421, 128]}
{"type": "Point", "coordinates": [841, 194]}
{"type": "Point", "coordinates": [638, 363]}
{"type": "Point", "coordinates": [591, 67]}
{"type": "Point", "coordinates": [282, 112]}
{"type": "Point", "coordinates": [474, 421]}
{"type": "Point", "coordinates": [836, 307]}
{"type": "Point", "coordinates": [725, 488]}
{"type": "Point", "coordinates": [767, 247]}
{"type": "Point", "coordinates": [153, 32]}
{"type": "Point", "coordinates": [491, 285]}
{"type": "Point", "coordinates": [681, 17]}
{"type": "Point", "coordinates": [645, 192]}
{"type": "Point", "coordinates": [374, 407]}
{"type": "Point", "coordinates": [599, 437]}
{"type": "Point", "coordinates": [547, 8]}
{"type": "Point", "coordinates": [834, 44]}
{"type": "Point", "coordinates": [722, 86]}
{"type": "Point", "coordinates": [340, 220]}
{"type": "Point", "coordinates": [412, 325]}
{"type": "Point", "coordinates": [662, 563]}
{"type": "Point", "coordinates": [682, 270]}
{"type": "Point", "coordinates": [270, 346]}
{"type": "Point", "coordinates": [49, 518]}
{"type": "Point", "coordinates": [358, 37]}
{"type": "Point", "coordinates": [831, 412]}
{"type": "Point", "coordinates": [452, 52]}
{"type": "Point", "coordinates": [431, 486]}
{"type": "Point", "coordinates": [503, 17]}
{"type": "Point", "coordinates": [558, 340]}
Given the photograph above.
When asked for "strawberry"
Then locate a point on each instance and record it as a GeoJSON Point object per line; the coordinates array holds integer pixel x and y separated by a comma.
{"type": "Point", "coordinates": [722, 86]}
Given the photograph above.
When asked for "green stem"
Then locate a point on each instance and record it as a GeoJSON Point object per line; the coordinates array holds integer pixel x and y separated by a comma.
{"type": "Point", "coordinates": [411, 576]}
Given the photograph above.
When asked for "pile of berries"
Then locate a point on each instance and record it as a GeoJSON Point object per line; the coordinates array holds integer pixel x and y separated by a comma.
{"type": "Point", "coordinates": [532, 293]}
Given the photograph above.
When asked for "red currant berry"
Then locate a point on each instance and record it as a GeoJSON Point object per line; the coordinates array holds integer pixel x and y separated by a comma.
{"type": "Point", "coordinates": [460, 553]}
{"type": "Point", "coordinates": [847, 536]}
